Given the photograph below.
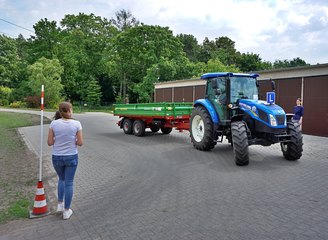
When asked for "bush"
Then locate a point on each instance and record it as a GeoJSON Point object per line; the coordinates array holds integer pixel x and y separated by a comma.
{"type": "Point", "coordinates": [33, 101]}
{"type": "Point", "coordinates": [5, 94]}
{"type": "Point", "coordinates": [17, 104]}
{"type": "Point", "coordinates": [4, 102]}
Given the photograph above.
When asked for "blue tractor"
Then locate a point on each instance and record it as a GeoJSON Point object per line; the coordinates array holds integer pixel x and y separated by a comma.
{"type": "Point", "coordinates": [232, 109]}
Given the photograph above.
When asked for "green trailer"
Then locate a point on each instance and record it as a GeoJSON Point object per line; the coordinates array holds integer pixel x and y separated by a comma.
{"type": "Point", "coordinates": [135, 118]}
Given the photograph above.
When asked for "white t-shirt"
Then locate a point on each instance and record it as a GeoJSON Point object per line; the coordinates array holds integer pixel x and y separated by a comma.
{"type": "Point", "coordinates": [65, 136]}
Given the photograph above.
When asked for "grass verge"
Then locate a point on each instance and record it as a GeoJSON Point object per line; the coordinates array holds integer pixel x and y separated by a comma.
{"type": "Point", "coordinates": [18, 166]}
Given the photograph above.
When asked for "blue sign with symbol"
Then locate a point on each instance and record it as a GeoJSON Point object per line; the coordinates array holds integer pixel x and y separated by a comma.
{"type": "Point", "coordinates": [271, 97]}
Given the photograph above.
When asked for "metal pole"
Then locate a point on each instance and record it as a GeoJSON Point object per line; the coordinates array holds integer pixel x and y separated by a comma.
{"type": "Point", "coordinates": [42, 107]}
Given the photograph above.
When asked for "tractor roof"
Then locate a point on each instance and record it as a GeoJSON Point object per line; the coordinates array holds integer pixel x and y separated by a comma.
{"type": "Point", "coordinates": [230, 74]}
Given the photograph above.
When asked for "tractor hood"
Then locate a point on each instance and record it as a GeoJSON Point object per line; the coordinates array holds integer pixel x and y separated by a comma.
{"type": "Point", "coordinates": [270, 114]}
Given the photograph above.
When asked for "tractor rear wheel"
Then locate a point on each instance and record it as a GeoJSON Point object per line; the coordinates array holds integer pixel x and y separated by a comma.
{"type": "Point", "coordinates": [139, 128]}
{"type": "Point", "coordinates": [292, 150]}
{"type": "Point", "coordinates": [240, 143]}
{"type": "Point", "coordinates": [127, 126]}
{"type": "Point", "coordinates": [201, 129]}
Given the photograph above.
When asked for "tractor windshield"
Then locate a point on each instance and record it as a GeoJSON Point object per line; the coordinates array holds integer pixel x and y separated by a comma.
{"type": "Point", "coordinates": [243, 87]}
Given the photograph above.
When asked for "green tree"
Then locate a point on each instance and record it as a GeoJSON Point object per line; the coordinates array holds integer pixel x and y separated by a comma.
{"type": "Point", "coordinates": [93, 93]}
{"type": "Point", "coordinates": [45, 41]}
{"type": "Point", "coordinates": [124, 20]}
{"type": "Point", "coordinates": [215, 65]}
{"type": "Point", "coordinates": [84, 39]}
{"type": "Point", "coordinates": [295, 62]}
{"type": "Point", "coordinates": [207, 50]}
{"type": "Point", "coordinates": [222, 48]}
{"type": "Point", "coordinates": [48, 73]}
{"type": "Point", "coordinates": [226, 50]}
{"type": "Point", "coordinates": [136, 50]}
{"type": "Point", "coordinates": [248, 62]}
{"type": "Point", "coordinates": [9, 62]}
{"type": "Point", "coordinates": [190, 46]}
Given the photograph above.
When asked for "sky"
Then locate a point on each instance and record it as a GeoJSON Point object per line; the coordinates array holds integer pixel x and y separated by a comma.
{"type": "Point", "coordinates": [274, 29]}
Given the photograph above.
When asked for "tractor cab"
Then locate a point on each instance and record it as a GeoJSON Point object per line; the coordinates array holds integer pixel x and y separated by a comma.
{"type": "Point", "coordinates": [224, 90]}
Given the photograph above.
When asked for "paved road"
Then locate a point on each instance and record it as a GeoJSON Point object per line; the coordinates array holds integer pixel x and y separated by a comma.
{"type": "Point", "coordinates": [160, 187]}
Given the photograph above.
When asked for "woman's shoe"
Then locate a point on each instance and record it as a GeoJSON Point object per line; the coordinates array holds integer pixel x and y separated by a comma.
{"type": "Point", "coordinates": [67, 214]}
{"type": "Point", "coordinates": [60, 207]}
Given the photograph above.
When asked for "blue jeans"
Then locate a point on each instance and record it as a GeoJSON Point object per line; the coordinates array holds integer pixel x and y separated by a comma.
{"type": "Point", "coordinates": [65, 167]}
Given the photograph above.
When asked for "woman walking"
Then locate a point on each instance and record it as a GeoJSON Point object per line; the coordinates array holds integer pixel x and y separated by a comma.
{"type": "Point", "coordinates": [65, 134]}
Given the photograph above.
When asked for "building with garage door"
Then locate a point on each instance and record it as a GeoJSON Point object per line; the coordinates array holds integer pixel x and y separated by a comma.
{"type": "Point", "coordinates": [309, 83]}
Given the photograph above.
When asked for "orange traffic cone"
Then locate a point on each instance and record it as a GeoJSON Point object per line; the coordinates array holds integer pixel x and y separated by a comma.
{"type": "Point", "coordinates": [40, 207]}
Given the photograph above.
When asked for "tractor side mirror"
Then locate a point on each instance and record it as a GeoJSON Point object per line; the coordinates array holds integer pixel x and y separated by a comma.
{"type": "Point", "coordinates": [273, 85]}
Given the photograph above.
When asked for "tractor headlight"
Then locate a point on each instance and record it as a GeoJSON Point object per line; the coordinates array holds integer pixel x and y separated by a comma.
{"type": "Point", "coordinates": [273, 120]}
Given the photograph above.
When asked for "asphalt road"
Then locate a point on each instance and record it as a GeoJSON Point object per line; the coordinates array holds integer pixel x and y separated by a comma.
{"type": "Point", "coordinates": [160, 187]}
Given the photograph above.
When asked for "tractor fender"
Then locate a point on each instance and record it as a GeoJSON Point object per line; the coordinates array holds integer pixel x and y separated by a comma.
{"type": "Point", "coordinates": [209, 107]}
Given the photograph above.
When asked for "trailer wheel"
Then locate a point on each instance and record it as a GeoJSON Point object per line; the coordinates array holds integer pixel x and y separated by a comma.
{"type": "Point", "coordinates": [292, 150]}
{"type": "Point", "coordinates": [139, 128]}
{"type": "Point", "coordinates": [240, 143]}
{"type": "Point", "coordinates": [201, 129]}
{"type": "Point", "coordinates": [166, 130]}
{"type": "Point", "coordinates": [127, 126]}
{"type": "Point", "coordinates": [154, 129]}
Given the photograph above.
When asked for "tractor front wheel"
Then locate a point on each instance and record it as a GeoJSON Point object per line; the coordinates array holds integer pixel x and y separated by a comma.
{"type": "Point", "coordinates": [292, 150]}
{"type": "Point", "coordinates": [240, 143]}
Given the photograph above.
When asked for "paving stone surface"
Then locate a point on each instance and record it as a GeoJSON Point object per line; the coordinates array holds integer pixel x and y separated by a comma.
{"type": "Point", "coordinates": [160, 187]}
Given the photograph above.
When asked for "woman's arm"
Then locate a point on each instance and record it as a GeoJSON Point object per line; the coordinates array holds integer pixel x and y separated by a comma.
{"type": "Point", "coordinates": [51, 137]}
{"type": "Point", "coordinates": [79, 138]}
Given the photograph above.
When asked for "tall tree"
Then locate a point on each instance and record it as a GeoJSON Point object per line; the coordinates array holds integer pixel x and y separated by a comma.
{"type": "Point", "coordinates": [9, 62]}
{"type": "Point", "coordinates": [190, 46]}
{"type": "Point", "coordinates": [137, 49]}
{"type": "Point", "coordinates": [207, 50]}
{"type": "Point", "coordinates": [124, 20]}
{"type": "Point", "coordinates": [84, 39]}
{"type": "Point", "coordinates": [93, 93]}
{"type": "Point", "coordinates": [226, 50]}
{"type": "Point", "coordinates": [45, 41]}
{"type": "Point", "coordinates": [48, 73]}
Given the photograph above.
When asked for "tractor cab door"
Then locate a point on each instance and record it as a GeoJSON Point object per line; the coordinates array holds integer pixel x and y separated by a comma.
{"type": "Point", "coordinates": [217, 94]}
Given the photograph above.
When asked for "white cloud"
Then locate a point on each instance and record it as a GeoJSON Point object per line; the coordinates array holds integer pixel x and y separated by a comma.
{"type": "Point", "coordinates": [274, 29]}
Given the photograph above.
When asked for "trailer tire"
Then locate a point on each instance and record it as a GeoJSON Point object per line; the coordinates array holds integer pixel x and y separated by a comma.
{"type": "Point", "coordinates": [127, 125]}
{"type": "Point", "coordinates": [292, 150]}
{"type": "Point", "coordinates": [201, 129]}
{"type": "Point", "coordinates": [240, 143]}
{"type": "Point", "coordinates": [166, 130]}
{"type": "Point", "coordinates": [139, 127]}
